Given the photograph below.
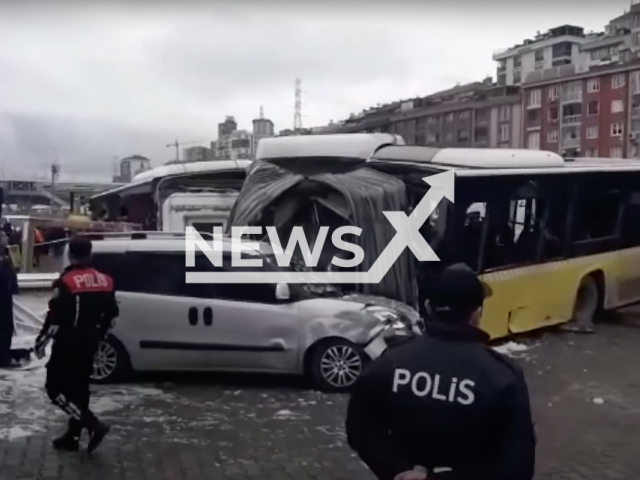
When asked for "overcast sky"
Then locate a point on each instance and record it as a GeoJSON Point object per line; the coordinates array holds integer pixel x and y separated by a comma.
{"type": "Point", "coordinates": [84, 85]}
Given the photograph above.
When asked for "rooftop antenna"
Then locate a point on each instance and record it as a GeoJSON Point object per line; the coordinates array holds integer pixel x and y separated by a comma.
{"type": "Point", "coordinates": [297, 117]}
{"type": "Point", "coordinates": [261, 112]}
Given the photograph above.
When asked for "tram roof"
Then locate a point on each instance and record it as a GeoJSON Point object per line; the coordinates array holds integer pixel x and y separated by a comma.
{"type": "Point", "coordinates": [142, 181]}
{"type": "Point", "coordinates": [191, 167]}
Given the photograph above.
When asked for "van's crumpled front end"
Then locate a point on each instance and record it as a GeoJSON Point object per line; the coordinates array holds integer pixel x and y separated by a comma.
{"type": "Point", "coordinates": [381, 322]}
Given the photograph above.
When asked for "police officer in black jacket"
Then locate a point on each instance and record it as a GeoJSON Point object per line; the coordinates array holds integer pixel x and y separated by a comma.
{"type": "Point", "coordinates": [8, 288]}
{"type": "Point", "coordinates": [81, 312]}
{"type": "Point", "coordinates": [445, 405]}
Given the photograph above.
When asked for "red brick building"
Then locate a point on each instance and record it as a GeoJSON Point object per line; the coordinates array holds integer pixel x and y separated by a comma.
{"type": "Point", "coordinates": [478, 114]}
{"type": "Point", "coordinates": [591, 114]}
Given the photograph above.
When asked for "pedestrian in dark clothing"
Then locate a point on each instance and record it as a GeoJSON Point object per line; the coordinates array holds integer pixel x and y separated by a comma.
{"type": "Point", "coordinates": [445, 405]}
{"type": "Point", "coordinates": [8, 229]}
{"type": "Point", "coordinates": [8, 288]}
{"type": "Point", "coordinates": [81, 312]}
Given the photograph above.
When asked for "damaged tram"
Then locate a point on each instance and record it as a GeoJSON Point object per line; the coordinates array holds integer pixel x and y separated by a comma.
{"type": "Point", "coordinates": [555, 239]}
{"type": "Point", "coordinates": [170, 197]}
{"type": "Point", "coordinates": [315, 181]}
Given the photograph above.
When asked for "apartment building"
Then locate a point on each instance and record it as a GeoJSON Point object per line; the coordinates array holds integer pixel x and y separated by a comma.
{"type": "Point", "coordinates": [262, 128]}
{"type": "Point", "coordinates": [130, 167]}
{"type": "Point", "coordinates": [228, 126]}
{"type": "Point", "coordinates": [629, 20]}
{"type": "Point", "coordinates": [592, 114]}
{"type": "Point", "coordinates": [236, 145]}
{"type": "Point", "coordinates": [607, 49]}
{"type": "Point", "coordinates": [620, 42]}
{"type": "Point", "coordinates": [479, 114]}
{"type": "Point", "coordinates": [558, 46]}
{"type": "Point", "coordinates": [195, 154]}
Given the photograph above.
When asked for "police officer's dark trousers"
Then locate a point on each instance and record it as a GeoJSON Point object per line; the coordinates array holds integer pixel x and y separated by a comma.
{"type": "Point", "coordinates": [6, 334]}
{"type": "Point", "coordinates": [68, 379]}
{"type": "Point", "coordinates": [6, 314]}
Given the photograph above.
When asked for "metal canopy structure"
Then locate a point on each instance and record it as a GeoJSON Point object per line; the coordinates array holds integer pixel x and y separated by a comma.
{"type": "Point", "coordinates": [297, 193]}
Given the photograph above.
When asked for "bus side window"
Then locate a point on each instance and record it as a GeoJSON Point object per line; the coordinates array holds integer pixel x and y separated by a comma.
{"type": "Point", "coordinates": [555, 223]}
{"type": "Point", "coordinates": [595, 219]}
{"type": "Point", "coordinates": [629, 232]}
{"type": "Point", "coordinates": [514, 233]}
{"type": "Point", "coordinates": [471, 238]}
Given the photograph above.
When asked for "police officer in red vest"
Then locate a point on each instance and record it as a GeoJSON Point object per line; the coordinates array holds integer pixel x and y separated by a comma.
{"type": "Point", "coordinates": [81, 312]}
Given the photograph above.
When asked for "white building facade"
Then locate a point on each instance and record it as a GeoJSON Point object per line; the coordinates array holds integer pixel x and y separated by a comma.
{"type": "Point", "coordinates": [195, 154]}
{"type": "Point", "coordinates": [131, 166]}
{"type": "Point", "coordinates": [559, 46]}
{"type": "Point", "coordinates": [236, 145]}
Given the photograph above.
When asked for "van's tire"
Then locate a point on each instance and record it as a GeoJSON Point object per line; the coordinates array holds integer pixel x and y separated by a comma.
{"type": "Point", "coordinates": [111, 363]}
{"type": "Point", "coordinates": [335, 364]}
{"type": "Point", "coordinates": [586, 306]}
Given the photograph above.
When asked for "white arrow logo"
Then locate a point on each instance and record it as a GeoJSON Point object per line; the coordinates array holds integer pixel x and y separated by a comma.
{"type": "Point", "coordinates": [407, 236]}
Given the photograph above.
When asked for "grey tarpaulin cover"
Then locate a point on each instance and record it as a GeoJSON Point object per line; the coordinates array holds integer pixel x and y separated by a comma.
{"type": "Point", "coordinates": [285, 195]}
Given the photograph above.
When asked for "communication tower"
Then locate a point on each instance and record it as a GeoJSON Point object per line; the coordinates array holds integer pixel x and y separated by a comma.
{"type": "Point", "coordinates": [297, 117]}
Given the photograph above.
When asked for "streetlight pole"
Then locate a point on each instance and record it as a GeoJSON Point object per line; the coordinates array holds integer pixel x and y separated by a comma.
{"type": "Point", "coordinates": [55, 171]}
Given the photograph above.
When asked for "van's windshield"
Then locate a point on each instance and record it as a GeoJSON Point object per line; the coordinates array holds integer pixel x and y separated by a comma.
{"type": "Point", "coordinates": [320, 289]}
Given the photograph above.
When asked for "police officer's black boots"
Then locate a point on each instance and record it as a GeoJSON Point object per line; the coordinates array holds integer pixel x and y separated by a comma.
{"type": "Point", "coordinates": [97, 431]}
{"type": "Point", "coordinates": [70, 440]}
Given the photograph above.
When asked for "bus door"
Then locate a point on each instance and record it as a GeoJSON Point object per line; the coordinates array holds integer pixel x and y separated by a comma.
{"type": "Point", "coordinates": [628, 279]}
{"type": "Point", "coordinates": [598, 239]}
{"type": "Point", "coordinates": [509, 266]}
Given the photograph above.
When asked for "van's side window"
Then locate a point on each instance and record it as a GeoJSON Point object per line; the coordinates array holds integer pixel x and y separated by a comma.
{"type": "Point", "coordinates": [164, 274]}
{"type": "Point", "coordinates": [113, 264]}
{"type": "Point", "coordinates": [249, 292]}
{"type": "Point", "coordinates": [142, 272]}
{"type": "Point", "coordinates": [241, 292]}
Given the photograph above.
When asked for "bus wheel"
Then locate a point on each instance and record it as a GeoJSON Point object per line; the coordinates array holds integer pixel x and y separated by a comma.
{"type": "Point", "coordinates": [586, 306]}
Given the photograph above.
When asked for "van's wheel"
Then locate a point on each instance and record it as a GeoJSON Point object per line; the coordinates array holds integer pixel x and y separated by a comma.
{"type": "Point", "coordinates": [336, 364]}
{"type": "Point", "coordinates": [111, 363]}
{"type": "Point", "coordinates": [586, 306]}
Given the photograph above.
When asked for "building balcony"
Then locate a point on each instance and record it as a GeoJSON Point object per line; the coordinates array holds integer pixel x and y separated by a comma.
{"type": "Point", "coordinates": [570, 142]}
{"type": "Point", "coordinates": [571, 119]}
{"type": "Point", "coordinates": [562, 50]}
{"type": "Point", "coordinates": [572, 97]}
{"type": "Point", "coordinates": [562, 56]}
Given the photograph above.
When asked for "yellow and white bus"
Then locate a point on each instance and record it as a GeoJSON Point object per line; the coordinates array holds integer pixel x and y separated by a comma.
{"type": "Point", "coordinates": [556, 240]}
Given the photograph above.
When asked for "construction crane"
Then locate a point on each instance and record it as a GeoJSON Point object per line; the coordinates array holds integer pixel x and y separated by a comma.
{"type": "Point", "coordinates": [55, 173]}
{"type": "Point", "coordinates": [178, 144]}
